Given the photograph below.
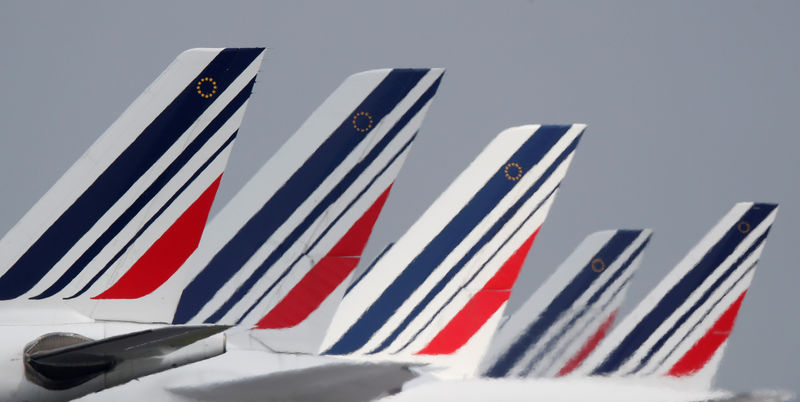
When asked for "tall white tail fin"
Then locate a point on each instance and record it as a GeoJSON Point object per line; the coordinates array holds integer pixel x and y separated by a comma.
{"type": "Point", "coordinates": [125, 216]}
{"type": "Point", "coordinates": [681, 327]}
{"type": "Point", "coordinates": [289, 239]}
{"type": "Point", "coordinates": [560, 324]}
{"type": "Point", "coordinates": [442, 287]}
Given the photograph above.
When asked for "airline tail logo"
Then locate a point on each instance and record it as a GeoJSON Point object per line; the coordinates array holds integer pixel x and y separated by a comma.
{"type": "Point", "coordinates": [434, 289]}
{"type": "Point", "coordinates": [124, 217]}
{"type": "Point", "coordinates": [297, 230]}
{"type": "Point", "coordinates": [684, 322]}
{"type": "Point", "coordinates": [568, 315]}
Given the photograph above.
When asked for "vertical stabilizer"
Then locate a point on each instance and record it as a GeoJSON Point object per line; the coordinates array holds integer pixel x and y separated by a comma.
{"type": "Point", "coordinates": [442, 287]}
{"type": "Point", "coordinates": [127, 214]}
{"type": "Point", "coordinates": [277, 256]}
{"type": "Point", "coordinates": [571, 311]}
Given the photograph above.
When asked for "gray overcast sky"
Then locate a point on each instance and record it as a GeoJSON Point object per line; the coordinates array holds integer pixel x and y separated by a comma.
{"type": "Point", "coordinates": [691, 106]}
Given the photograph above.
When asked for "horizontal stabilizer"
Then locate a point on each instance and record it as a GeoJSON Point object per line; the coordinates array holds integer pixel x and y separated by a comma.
{"type": "Point", "coordinates": [62, 360]}
{"type": "Point", "coordinates": [331, 382]}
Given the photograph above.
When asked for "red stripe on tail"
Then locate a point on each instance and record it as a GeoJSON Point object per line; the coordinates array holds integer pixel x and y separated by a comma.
{"type": "Point", "coordinates": [588, 347]}
{"type": "Point", "coordinates": [326, 275]}
{"type": "Point", "coordinates": [704, 349]}
{"type": "Point", "coordinates": [481, 307]}
{"type": "Point", "coordinates": [168, 253]}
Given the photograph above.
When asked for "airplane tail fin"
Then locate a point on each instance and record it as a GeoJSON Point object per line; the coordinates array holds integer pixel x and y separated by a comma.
{"type": "Point", "coordinates": [442, 287]}
{"type": "Point", "coordinates": [276, 258]}
{"type": "Point", "coordinates": [680, 329]}
{"type": "Point", "coordinates": [571, 311]}
{"type": "Point", "coordinates": [125, 216]}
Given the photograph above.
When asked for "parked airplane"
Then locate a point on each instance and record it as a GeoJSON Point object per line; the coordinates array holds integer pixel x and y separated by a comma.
{"type": "Point", "coordinates": [562, 322]}
{"type": "Point", "coordinates": [115, 226]}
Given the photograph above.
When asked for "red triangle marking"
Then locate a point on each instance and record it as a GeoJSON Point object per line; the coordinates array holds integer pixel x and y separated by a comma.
{"type": "Point", "coordinates": [702, 351]}
{"type": "Point", "coordinates": [481, 307]}
{"type": "Point", "coordinates": [326, 275]}
{"type": "Point", "coordinates": [588, 347]}
{"type": "Point", "coordinates": [168, 253]}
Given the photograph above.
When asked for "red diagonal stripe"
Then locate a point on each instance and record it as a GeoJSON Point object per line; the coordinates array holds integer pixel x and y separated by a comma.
{"type": "Point", "coordinates": [702, 351]}
{"type": "Point", "coordinates": [588, 347]}
{"type": "Point", "coordinates": [481, 307]}
{"type": "Point", "coordinates": [168, 253]}
{"type": "Point", "coordinates": [326, 275]}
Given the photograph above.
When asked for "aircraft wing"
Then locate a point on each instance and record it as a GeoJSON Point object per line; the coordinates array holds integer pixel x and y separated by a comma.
{"type": "Point", "coordinates": [346, 381]}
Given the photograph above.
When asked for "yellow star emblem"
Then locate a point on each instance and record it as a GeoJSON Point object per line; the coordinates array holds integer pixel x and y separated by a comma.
{"type": "Point", "coordinates": [362, 122]}
{"type": "Point", "coordinates": [206, 87]}
{"type": "Point", "coordinates": [513, 171]}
